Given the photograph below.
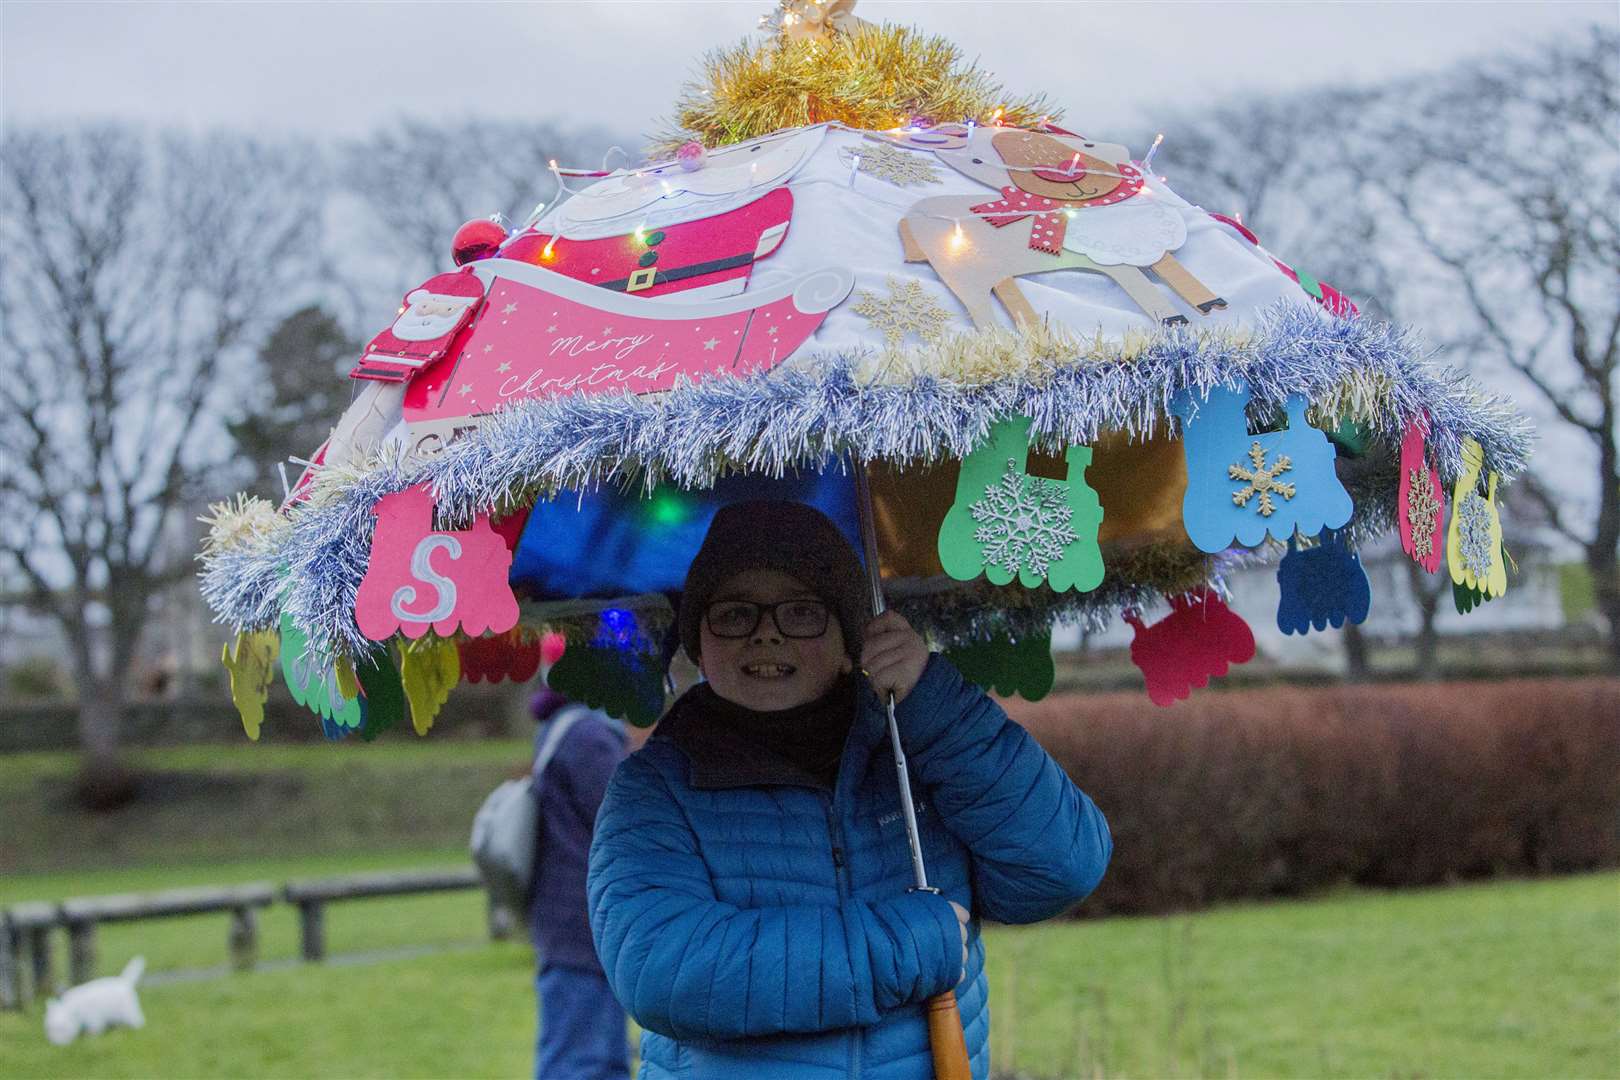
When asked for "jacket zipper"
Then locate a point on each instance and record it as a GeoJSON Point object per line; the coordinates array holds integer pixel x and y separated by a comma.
{"type": "Point", "coordinates": [836, 834]}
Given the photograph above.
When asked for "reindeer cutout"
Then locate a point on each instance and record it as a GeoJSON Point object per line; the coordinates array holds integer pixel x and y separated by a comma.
{"type": "Point", "coordinates": [1066, 203]}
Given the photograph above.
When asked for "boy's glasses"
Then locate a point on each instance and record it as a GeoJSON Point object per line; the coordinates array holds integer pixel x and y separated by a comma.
{"type": "Point", "coordinates": [740, 618]}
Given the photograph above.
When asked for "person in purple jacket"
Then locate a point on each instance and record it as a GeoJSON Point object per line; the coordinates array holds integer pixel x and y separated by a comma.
{"type": "Point", "coordinates": [582, 1028]}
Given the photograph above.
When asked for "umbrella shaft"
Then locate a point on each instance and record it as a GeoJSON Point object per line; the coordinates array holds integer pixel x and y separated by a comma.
{"type": "Point", "coordinates": [917, 868]}
{"type": "Point", "coordinates": [863, 501]}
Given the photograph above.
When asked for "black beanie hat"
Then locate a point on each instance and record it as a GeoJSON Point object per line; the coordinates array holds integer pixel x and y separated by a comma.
{"type": "Point", "coordinates": [789, 537]}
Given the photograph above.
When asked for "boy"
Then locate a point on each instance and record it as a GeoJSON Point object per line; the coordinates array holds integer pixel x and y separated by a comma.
{"type": "Point", "coordinates": [750, 879]}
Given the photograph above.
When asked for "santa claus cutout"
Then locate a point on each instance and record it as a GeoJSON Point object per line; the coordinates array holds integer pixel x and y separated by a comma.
{"type": "Point", "coordinates": [433, 316]}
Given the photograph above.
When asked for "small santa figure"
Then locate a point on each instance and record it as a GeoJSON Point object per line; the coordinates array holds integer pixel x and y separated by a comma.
{"type": "Point", "coordinates": [433, 316]}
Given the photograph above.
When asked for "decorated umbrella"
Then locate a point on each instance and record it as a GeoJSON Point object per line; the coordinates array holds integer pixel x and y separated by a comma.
{"type": "Point", "coordinates": [1024, 376]}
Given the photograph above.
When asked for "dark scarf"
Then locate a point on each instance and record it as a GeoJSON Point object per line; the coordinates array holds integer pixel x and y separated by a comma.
{"type": "Point", "coordinates": [811, 736]}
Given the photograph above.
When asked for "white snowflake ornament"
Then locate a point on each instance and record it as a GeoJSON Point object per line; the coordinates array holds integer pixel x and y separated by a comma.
{"type": "Point", "coordinates": [1024, 522]}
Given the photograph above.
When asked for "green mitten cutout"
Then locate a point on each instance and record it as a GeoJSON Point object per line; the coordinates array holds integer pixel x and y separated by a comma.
{"type": "Point", "coordinates": [312, 679]}
{"type": "Point", "coordinates": [621, 682]}
{"type": "Point", "coordinates": [1024, 667]}
{"type": "Point", "coordinates": [385, 694]}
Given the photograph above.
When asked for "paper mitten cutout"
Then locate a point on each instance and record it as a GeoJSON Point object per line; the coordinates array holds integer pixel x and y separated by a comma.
{"type": "Point", "coordinates": [514, 655]}
{"type": "Point", "coordinates": [625, 683]}
{"type": "Point", "coordinates": [1421, 502]}
{"type": "Point", "coordinates": [428, 670]}
{"type": "Point", "coordinates": [1024, 667]}
{"type": "Point", "coordinates": [1474, 540]}
{"type": "Point", "coordinates": [1241, 487]}
{"type": "Point", "coordinates": [251, 663]}
{"type": "Point", "coordinates": [381, 694]}
{"type": "Point", "coordinates": [1006, 523]}
{"type": "Point", "coordinates": [1321, 586]}
{"type": "Point", "coordinates": [1199, 639]}
{"type": "Point", "coordinates": [312, 680]}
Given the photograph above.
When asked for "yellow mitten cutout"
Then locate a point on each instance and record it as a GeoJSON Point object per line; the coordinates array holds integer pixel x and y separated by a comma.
{"type": "Point", "coordinates": [343, 670]}
{"type": "Point", "coordinates": [430, 669]}
{"type": "Point", "coordinates": [1474, 537]}
{"type": "Point", "coordinates": [250, 664]}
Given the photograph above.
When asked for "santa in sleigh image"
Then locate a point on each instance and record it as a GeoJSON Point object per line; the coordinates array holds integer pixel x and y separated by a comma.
{"type": "Point", "coordinates": [709, 258]}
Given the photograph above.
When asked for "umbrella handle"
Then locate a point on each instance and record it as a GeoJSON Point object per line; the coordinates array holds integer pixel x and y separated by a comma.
{"type": "Point", "coordinates": [945, 1038]}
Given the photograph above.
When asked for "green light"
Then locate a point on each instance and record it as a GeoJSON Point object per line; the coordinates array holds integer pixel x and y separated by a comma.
{"type": "Point", "coordinates": [667, 507]}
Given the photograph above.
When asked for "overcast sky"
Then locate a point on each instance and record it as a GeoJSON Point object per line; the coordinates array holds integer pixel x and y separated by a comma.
{"type": "Point", "coordinates": [342, 68]}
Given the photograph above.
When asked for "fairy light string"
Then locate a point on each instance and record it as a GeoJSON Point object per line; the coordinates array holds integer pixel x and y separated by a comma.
{"type": "Point", "coordinates": [958, 237]}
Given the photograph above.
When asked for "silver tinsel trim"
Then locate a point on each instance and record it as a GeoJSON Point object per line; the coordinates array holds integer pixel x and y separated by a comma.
{"type": "Point", "coordinates": [810, 414]}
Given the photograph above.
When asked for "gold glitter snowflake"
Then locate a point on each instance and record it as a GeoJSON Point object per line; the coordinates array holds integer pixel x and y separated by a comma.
{"type": "Point", "coordinates": [904, 168]}
{"type": "Point", "coordinates": [1261, 480]}
{"type": "Point", "coordinates": [908, 309]}
{"type": "Point", "coordinates": [1421, 509]}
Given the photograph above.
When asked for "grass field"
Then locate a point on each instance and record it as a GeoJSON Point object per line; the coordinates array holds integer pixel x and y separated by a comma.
{"type": "Point", "coordinates": [1503, 979]}
{"type": "Point", "coordinates": [1510, 979]}
{"type": "Point", "coordinates": [207, 804]}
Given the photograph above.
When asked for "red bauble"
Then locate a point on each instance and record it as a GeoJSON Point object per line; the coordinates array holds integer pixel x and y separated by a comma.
{"type": "Point", "coordinates": [475, 240]}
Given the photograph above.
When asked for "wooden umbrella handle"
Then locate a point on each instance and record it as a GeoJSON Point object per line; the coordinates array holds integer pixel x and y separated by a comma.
{"type": "Point", "coordinates": [945, 1038]}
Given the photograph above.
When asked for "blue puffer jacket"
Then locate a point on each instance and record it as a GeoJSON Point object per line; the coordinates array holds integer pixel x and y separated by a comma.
{"type": "Point", "coordinates": [757, 924]}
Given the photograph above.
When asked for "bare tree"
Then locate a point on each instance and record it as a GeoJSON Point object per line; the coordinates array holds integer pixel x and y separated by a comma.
{"type": "Point", "coordinates": [137, 274]}
{"type": "Point", "coordinates": [1505, 177]}
{"type": "Point", "coordinates": [1481, 204]}
{"type": "Point", "coordinates": [420, 181]}
{"type": "Point", "coordinates": [1268, 161]}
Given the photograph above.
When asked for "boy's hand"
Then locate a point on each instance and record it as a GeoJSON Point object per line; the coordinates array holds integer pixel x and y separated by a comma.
{"type": "Point", "coordinates": [893, 655]}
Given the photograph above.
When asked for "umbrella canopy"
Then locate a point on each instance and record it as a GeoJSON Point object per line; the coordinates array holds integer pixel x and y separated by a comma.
{"type": "Point", "coordinates": [1075, 393]}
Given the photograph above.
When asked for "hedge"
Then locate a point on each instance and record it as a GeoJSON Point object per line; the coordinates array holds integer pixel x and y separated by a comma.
{"type": "Point", "coordinates": [1284, 790]}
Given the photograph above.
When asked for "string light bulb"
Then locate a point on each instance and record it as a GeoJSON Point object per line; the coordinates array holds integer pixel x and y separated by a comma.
{"type": "Point", "coordinates": [958, 237]}
{"type": "Point", "coordinates": [1147, 161]}
{"type": "Point", "coordinates": [546, 252]}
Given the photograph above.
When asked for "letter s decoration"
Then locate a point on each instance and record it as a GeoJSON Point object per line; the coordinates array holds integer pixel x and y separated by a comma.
{"type": "Point", "coordinates": [422, 571]}
{"type": "Point", "coordinates": [404, 592]}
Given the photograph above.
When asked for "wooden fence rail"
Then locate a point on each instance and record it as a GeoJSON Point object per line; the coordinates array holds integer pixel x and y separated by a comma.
{"type": "Point", "coordinates": [26, 964]}
{"type": "Point", "coordinates": [312, 896]}
{"type": "Point", "coordinates": [82, 914]}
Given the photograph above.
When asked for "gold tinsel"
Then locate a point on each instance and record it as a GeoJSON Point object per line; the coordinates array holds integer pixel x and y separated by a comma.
{"type": "Point", "coordinates": [876, 78]}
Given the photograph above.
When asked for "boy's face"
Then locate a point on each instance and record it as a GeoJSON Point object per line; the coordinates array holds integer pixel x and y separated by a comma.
{"type": "Point", "coordinates": [767, 671]}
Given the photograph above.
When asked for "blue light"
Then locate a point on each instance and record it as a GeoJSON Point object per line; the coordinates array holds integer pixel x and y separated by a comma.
{"type": "Point", "coordinates": [619, 629]}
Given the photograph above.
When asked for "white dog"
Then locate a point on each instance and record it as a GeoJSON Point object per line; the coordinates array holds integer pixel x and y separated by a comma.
{"type": "Point", "coordinates": [96, 1006]}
